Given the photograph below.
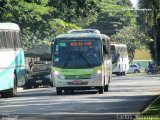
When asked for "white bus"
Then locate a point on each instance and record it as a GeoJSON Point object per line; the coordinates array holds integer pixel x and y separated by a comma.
{"type": "Point", "coordinates": [12, 63]}
{"type": "Point", "coordinates": [120, 61]}
{"type": "Point", "coordinates": [81, 61]}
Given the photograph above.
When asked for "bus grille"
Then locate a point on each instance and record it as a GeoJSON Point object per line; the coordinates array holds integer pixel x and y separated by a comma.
{"type": "Point", "coordinates": [87, 76]}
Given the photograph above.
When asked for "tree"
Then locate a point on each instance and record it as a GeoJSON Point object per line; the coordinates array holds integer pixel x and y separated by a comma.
{"type": "Point", "coordinates": [79, 12]}
{"type": "Point", "coordinates": [152, 20]}
{"type": "Point", "coordinates": [132, 37]}
{"type": "Point", "coordinates": [34, 18]}
{"type": "Point", "coordinates": [113, 16]}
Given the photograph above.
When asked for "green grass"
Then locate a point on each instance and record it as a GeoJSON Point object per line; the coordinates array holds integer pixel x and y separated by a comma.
{"type": "Point", "coordinates": [143, 54]}
{"type": "Point", "coordinates": [152, 112]}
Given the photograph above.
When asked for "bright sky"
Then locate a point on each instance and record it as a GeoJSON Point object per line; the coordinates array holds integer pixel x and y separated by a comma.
{"type": "Point", "coordinates": [134, 2]}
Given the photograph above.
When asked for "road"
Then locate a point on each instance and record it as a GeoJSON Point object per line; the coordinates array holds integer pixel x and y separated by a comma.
{"type": "Point", "coordinates": [127, 96]}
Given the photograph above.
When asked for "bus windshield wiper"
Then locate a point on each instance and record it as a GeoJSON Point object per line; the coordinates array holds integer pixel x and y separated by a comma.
{"type": "Point", "coordinates": [85, 59]}
{"type": "Point", "coordinates": [66, 61]}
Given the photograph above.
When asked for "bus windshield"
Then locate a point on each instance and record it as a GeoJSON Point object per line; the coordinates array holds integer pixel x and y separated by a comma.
{"type": "Point", "coordinates": [77, 53]}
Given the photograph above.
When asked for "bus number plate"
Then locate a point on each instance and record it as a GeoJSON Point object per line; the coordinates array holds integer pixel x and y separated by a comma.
{"type": "Point", "coordinates": [77, 82]}
{"type": "Point", "coordinates": [38, 81]}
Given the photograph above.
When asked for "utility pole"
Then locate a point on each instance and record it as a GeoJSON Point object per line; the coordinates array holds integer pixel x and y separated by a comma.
{"type": "Point", "coordinates": [154, 10]}
{"type": "Point", "coordinates": [155, 43]}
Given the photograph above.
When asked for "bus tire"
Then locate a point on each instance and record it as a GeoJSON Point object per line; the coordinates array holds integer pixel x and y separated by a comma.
{"type": "Point", "coordinates": [66, 91]}
{"type": "Point", "coordinates": [124, 73]}
{"type": "Point", "coordinates": [101, 90]}
{"type": "Point", "coordinates": [72, 91]}
{"type": "Point", "coordinates": [59, 91]}
{"type": "Point", "coordinates": [106, 88]}
{"type": "Point", "coordinates": [51, 84]}
{"type": "Point", "coordinates": [4, 95]}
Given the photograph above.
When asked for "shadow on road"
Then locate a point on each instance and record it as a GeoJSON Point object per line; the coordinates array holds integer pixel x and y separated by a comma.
{"type": "Point", "coordinates": [76, 117]}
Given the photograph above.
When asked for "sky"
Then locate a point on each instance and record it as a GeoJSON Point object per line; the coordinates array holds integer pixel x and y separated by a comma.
{"type": "Point", "coordinates": [134, 2]}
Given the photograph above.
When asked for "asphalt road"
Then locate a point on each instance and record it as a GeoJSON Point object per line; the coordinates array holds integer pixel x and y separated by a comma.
{"type": "Point", "coordinates": [127, 97]}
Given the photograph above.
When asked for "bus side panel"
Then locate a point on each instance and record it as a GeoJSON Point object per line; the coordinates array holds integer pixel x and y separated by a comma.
{"type": "Point", "coordinates": [6, 79]}
{"type": "Point", "coordinates": [7, 66]}
{"type": "Point", "coordinates": [12, 60]}
{"type": "Point", "coordinates": [20, 69]}
{"type": "Point", "coordinates": [126, 61]}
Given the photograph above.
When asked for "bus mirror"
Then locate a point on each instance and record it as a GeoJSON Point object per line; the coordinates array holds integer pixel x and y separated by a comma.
{"type": "Point", "coordinates": [105, 50]}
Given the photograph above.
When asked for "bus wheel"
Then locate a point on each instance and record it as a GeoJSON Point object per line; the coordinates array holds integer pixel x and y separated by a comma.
{"type": "Point", "coordinates": [101, 90]}
{"type": "Point", "coordinates": [27, 86]}
{"type": "Point", "coordinates": [106, 88]}
{"type": "Point", "coordinates": [51, 84]}
{"type": "Point", "coordinates": [59, 91]}
{"type": "Point", "coordinates": [66, 91]}
{"type": "Point", "coordinates": [4, 95]}
{"type": "Point", "coordinates": [72, 91]}
{"type": "Point", "coordinates": [124, 73]}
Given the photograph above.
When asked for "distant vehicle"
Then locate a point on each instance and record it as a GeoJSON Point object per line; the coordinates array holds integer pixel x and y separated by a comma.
{"type": "Point", "coordinates": [81, 61]}
{"type": "Point", "coordinates": [134, 68]}
{"type": "Point", "coordinates": [12, 62]}
{"type": "Point", "coordinates": [120, 61]}
{"type": "Point", "coordinates": [40, 74]}
{"type": "Point", "coordinates": [152, 69]}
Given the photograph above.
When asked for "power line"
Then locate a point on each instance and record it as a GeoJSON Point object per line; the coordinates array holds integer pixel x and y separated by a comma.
{"type": "Point", "coordinates": [130, 9]}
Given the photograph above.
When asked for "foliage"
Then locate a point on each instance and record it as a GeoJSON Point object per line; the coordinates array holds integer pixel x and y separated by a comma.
{"type": "Point", "coordinates": [151, 21]}
{"type": "Point", "coordinates": [131, 36]}
{"type": "Point", "coordinates": [79, 12]}
{"type": "Point", "coordinates": [41, 19]}
{"type": "Point", "coordinates": [113, 16]}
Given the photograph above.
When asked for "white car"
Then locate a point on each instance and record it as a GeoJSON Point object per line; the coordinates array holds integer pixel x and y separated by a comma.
{"type": "Point", "coordinates": [134, 68]}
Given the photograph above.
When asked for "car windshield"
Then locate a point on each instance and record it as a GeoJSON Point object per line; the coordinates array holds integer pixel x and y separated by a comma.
{"type": "Point", "coordinates": [37, 68]}
{"type": "Point", "coordinates": [77, 54]}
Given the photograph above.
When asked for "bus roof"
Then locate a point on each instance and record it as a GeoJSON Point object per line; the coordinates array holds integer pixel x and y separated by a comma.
{"type": "Point", "coordinates": [79, 35]}
{"type": "Point", "coordinates": [84, 31]}
{"type": "Point", "coordinates": [9, 26]}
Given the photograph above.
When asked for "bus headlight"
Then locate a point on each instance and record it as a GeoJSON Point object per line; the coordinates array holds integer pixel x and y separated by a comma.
{"type": "Point", "coordinates": [58, 75]}
{"type": "Point", "coordinates": [96, 75]}
{"type": "Point", "coordinates": [99, 71]}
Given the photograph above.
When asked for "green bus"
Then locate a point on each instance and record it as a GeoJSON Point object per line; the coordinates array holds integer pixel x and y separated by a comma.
{"type": "Point", "coordinates": [12, 63]}
{"type": "Point", "coordinates": [81, 61]}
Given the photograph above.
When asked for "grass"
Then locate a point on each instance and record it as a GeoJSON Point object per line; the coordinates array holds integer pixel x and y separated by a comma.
{"type": "Point", "coordinates": [152, 112]}
{"type": "Point", "coordinates": [143, 54]}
